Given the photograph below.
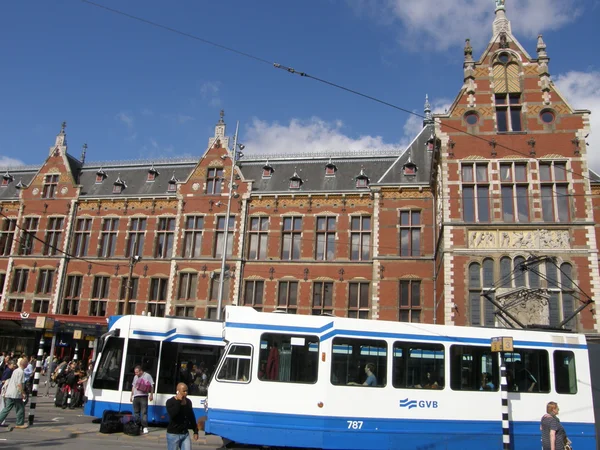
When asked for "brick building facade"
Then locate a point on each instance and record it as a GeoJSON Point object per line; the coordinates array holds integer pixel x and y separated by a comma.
{"type": "Point", "coordinates": [415, 235]}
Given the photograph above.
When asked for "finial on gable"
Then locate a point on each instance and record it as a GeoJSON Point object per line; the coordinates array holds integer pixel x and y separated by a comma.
{"type": "Point", "coordinates": [500, 4]}
{"type": "Point", "coordinates": [427, 112]}
{"type": "Point", "coordinates": [60, 142]}
{"type": "Point", "coordinates": [83, 152]}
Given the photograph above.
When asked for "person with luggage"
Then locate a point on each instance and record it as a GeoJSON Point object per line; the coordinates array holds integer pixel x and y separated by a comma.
{"type": "Point", "coordinates": [181, 419]}
{"type": "Point", "coordinates": [141, 392]}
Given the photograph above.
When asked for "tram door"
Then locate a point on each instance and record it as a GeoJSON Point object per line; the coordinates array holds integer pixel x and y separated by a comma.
{"type": "Point", "coordinates": [594, 357]}
{"type": "Point", "coordinates": [145, 354]}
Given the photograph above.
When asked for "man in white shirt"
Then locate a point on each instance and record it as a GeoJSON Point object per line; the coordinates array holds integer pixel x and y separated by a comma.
{"type": "Point", "coordinates": [15, 394]}
{"type": "Point", "coordinates": [141, 392]}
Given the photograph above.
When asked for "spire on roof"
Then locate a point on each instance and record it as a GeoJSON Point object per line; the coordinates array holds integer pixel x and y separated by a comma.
{"type": "Point", "coordinates": [428, 117]}
{"type": "Point", "coordinates": [61, 141]}
{"type": "Point", "coordinates": [220, 132]}
{"type": "Point", "coordinates": [501, 23]}
{"type": "Point", "coordinates": [541, 48]}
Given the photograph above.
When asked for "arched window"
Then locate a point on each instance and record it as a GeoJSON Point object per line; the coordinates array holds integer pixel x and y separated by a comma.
{"type": "Point", "coordinates": [481, 279]}
{"type": "Point", "coordinates": [507, 90]}
{"type": "Point", "coordinates": [520, 278]}
{"type": "Point", "coordinates": [505, 272]}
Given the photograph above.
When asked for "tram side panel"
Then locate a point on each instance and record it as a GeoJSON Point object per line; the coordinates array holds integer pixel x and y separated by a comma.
{"type": "Point", "coordinates": [594, 357]}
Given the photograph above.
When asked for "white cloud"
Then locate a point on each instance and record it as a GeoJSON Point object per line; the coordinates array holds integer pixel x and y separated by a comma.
{"type": "Point", "coordinates": [308, 136]}
{"type": "Point", "coordinates": [7, 161]}
{"type": "Point", "coordinates": [439, 25]}
{"type": "Point", "coordinates": [209, 90]}
{"type": "Point", "coordinates": [582, 91]}
{"type": "Point", "coordinates": [125, 118]}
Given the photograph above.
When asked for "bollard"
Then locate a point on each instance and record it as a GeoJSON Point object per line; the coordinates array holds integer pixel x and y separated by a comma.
{"type": "Point", "coordinates": [76, 355]}
{"type": "Point", "coordinates": [504, 395]}
{"type": "Point", "coordinates": [36, 381]}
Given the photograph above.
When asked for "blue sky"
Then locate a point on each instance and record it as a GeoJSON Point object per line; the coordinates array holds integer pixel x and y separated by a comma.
{"type": "Point", "coordinates": [130, 90]}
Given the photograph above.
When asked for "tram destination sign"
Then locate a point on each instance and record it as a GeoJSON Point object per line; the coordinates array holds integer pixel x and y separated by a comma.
{"type": "Point", "coordinates": [502, 344]}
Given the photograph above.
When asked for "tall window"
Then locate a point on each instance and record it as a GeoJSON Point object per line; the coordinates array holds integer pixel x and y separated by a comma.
{"type": "Point", "coordinates": [287, 296]}
{"type": "Point", "coordinates": [108, 238]}
{"type": "Point", "coordinates": [50, 185]}
{"type": "Point", "coordinates": [220, 236]}
{"type": "Point", "coordinates": [81, 238]}
{"type": "Point", "coordinates": [44, 282]}
{"type": "Point", "coordinates": [133, 295]}
{"type": "Point", "coordinates": [100, 293]}
{"type": "Point", "coordinates": [253, 293]}
{"type": "Point", "coordinates": [358, 300]}
{"type": "Point", "coordinates": [30, 228]}
{"type": "Point", "coordinates": [481, 280]}
{"type": "Point", "coordinates": [475, 192]}
{"type": "Point", "coordinates": [360, 238]}
{"type": "Point", "coordinates": [188, 285]}
{"type": "Point", "coordinates": [158, 296]}
{"type": "Point", "coordinates": [7, 235]}
{"type": "Point", "coordinates": [410, 233]}
{"type": "Point", "coordinates": [185, 311]}
{"type": "Point", "coordinates": [325, 238]}
{"type": "Point", "coordinates": [19, 281]}
{"type": "Point", "coordinates": [135, 237]}
{"type": "Point", "coordinates": [555, 191]}
{"type": "Point", "coordinates": [322, 298]}
{"type": "Point", "coordinates": [291, 235]}
{"type": "Point", "coordinates": [15, 305]}
{"type": "Point", "coordinates": [192, 238]}
{"type": "Point", "coordinates": [515, 192]}
{"type": "Point", "coordinates": [2, 281]}
{"type": "Point", "coordinates": [213, 181]}
{"type": "Point", "coordinates": [164, 237]}
{"type": "Point", "coordinates": [259, 232]}
{"type": "Point", "coordinates": [507, 89]}
{"type": "Point", "coordinates": [410, 301]}
{"type": "Point", "coordinates": [561, 304]}
{"type": "Point", "coordinates": [70, 304]}
{"type": "Point", "coordinates": [53, 235]}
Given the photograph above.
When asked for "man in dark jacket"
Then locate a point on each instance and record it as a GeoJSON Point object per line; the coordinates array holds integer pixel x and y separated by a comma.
{"type": "Point", "coordinates": [181, 419]}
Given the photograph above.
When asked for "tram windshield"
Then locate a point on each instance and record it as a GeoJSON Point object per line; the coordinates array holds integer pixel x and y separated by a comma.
{"type": "Point", "coordinates": [109, 367]}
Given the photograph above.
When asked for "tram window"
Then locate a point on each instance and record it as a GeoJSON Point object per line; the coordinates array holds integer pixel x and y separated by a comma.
{"type": "Point", "coordinates": [565, 377]}
{"type": "Point", "coordinates": [350, 358]}
{"type": "Point", "coordinates": [527, 371]}
{"type": "Point", "coordinates": [473, 369]}
{"type": "Point", "coordinates": [140, 352]}
{"type": "Point", "coordinates": [288, 358]}
{"type": "Point", "coordinates": [191, 364]}
{"type": "Point", "coordinates": [236, 365]}
{"type": "Point", "coordinates": [417, 365]}
{"type": "Point", "coordinates": [109, 367]}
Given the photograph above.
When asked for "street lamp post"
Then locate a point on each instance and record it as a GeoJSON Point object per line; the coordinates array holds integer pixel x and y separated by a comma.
{"type": "Point", "coordinates": [234, 158]}
{"type": "Point", "coordinates": [132, 262]}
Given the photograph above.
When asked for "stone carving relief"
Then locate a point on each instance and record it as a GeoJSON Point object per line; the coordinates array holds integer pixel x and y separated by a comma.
{"type": "Point", "coordinates": [520, 240]}
{"type": "Point", "coordinates": [529, 306]}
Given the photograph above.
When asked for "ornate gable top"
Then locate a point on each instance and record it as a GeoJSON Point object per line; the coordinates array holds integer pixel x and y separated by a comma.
{"type": "Point", "coordinates": [119, 182]}
{"type": "Point", "coordinates": [8, 176]}
{"type": "Point", "coordinates": [152, 170]}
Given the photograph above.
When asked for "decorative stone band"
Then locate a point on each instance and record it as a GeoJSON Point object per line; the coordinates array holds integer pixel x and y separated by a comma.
{"type": "Point", "coordinates": [525, 240]}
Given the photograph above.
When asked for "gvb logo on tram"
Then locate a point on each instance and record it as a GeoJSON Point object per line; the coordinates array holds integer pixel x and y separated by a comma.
{"type": "Point", "coordinates": [425, 404]}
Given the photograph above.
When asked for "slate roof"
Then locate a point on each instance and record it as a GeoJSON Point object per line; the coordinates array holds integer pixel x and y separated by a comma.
{"type": "Point", "coordinates": [23, 175]}
{"type": "Point", "coordinates": [594, 177]}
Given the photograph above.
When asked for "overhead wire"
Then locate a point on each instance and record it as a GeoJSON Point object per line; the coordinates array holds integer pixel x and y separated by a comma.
{"type": "Point", "coordinates": [318, 79]}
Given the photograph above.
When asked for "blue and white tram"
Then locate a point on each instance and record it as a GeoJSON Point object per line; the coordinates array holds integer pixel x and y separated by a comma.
{"type": "Point", "coordinates": [172, 350]}
{"type": "Point", "coordinates": [302, 381]}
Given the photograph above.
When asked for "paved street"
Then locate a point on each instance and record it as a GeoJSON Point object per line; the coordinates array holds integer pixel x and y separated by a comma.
{"type": "Point", "coordinates": [70, 429]}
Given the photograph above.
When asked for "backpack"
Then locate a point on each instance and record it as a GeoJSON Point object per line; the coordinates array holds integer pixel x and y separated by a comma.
{"type": "Point", "coordinates": [143, 385]}
{"type": "Point", "coordinates": [131, 427]}
{"type": "Point", "coordinates": [111, 422]}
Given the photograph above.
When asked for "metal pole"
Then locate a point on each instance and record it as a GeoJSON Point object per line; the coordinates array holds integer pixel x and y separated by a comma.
{"type": "Point", "coordinates": [226, 230]}
{"type": "Point", "coordinates": [504, 397]}
{"type": "Point", "coordinates": [36, 380]}
{"type": "Point", "coordinates": [129, 286]}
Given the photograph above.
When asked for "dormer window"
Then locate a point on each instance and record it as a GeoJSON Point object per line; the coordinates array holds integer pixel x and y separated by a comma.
{"type": "Point", "coordinates": [100, 176]}
{"type": "Point", "coordinates": [410, 168]}
{"type": "Point", "coordinates": [330, 168]}
{"type": "Point", "coordinates": [20, 185]}
{"type": "Point", "coordinates": [7, 178]}
{"type": "Point", "coordinates": [267, 170]}
{"type": "Point", "coordinates": [118, 186]}
{"type": "Point", "coordinates": [362, 180]}
{"type": "Point", "coordinates": [172, 186]}
{"type": "Point", "coordinates": [152, 173]}
{"type": "Point", "coordinates": [295, 181]}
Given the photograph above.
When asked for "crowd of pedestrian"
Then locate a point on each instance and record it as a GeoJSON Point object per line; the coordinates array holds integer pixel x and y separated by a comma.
{"type": "Point", "coordinates": [16, 383]}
